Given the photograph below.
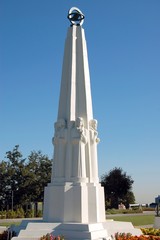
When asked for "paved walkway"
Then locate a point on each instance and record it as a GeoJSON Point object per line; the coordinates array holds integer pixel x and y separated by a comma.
{"type": "Point", "coordinates": [145, 226]}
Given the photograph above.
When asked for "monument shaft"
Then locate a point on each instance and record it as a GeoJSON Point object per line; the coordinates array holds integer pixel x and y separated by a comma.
{"type": "Point", "coordinates": [74, 194]}
{"type": "Point", "coordinates": [75, 140]}
{"type": "Point", "coordinates": [75, 96]}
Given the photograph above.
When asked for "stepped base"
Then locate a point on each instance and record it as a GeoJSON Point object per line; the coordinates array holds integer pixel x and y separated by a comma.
{"type": "Point", "coordinates": [80, 203]}
{"type": "Point", "coordinates": [114, 227]}
{"type": "Point", "coordinates": [157, 222]}
{"type": "Point", "coordinates": [75, 231]}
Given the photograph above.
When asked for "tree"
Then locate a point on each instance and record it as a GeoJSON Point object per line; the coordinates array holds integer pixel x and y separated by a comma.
{"type": "Point", "coordinates": [23, 180]}
{"type": "Point", "coordinates": [129, 198]}
{"type": "Point", "coordinates": [39, 167]}
{"type": "Point", "coordinates": [11, 175]}
{"type": "Point", "coordinates": [3, 184]}
{"type": "Point", "coordinates": [116, 186]}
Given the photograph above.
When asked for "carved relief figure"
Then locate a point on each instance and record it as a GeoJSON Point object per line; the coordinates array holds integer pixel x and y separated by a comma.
{"type": "Point", "coordinates": [93, 149]}
{"type": "Point", "coordinates": [79, 139]}
{"type": "Point", "coordinates": [68, 166]}
{"type": "Point", "coordinates": [59, 142]}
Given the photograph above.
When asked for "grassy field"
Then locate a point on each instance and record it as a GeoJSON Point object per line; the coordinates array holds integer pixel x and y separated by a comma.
{"type": "Point", "coordinates": [8, 224]}
{"type": "Point", "coordinates": [136, 220]}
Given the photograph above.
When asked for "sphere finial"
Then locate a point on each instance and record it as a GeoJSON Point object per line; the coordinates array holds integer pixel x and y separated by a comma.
{"type": "Point", "coordinates": [75, 16]}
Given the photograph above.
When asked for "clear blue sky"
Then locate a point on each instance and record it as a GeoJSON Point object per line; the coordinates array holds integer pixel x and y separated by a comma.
{"type": "Point", "coordinates": [123, 39]}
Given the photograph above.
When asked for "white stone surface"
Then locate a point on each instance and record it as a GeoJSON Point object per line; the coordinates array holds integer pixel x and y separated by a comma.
{"type": "Point", "coordinates": [157, 222]}
{"type": "Point", "coordinates": [90, 199]}
{"type": "Point", "coordinates": [69, 230]}
{"type": "Point", "coordinates": [75, 139]}
{"type": "Point", "coordinates": [77, 231]}
{"type": "Point", "coordinates": [120, 227]}
{"type": "Point", "coordinates": [74, 194]}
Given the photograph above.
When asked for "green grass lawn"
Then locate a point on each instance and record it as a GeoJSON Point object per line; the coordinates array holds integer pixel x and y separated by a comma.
{"type": "Point", "coordinates": [136, 220]}
{"type": "Point", "coordinates": [8, 224]}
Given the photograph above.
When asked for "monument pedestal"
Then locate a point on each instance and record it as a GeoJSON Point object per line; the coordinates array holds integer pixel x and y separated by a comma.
{"type": "Point", "coordinates": [75, 231]}
{"type": "Point", "coordinates": [69, 202]}
{"type": "Point", "coordinates": [70, 231]}
{"type": "Point", "coordinates": [157, 222]}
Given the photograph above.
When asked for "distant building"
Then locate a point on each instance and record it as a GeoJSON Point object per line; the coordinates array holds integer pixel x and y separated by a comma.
{"type": "Point", "coordinates": [138, 205]}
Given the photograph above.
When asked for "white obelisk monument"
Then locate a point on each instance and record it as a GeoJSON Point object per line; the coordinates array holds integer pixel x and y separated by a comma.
{"type": "Point", "coordinates": [74, 200]}
{"type": "Point", "coordinates": [75, 194]}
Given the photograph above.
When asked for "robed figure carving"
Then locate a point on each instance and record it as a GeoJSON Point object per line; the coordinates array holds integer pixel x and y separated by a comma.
{"type": "Point", "coordinates": [79, 140]}
{"type": "Point", "coordinates": [93, 149]}
{"type": "Point", "coordinates": [59, 142]}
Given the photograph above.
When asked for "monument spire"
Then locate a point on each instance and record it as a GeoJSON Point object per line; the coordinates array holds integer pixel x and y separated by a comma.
{"type": "Point", "coordinates": [75, 95]}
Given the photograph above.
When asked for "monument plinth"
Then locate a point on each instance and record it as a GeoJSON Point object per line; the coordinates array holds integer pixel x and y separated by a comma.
{"type": "Point", "coordinates": [74, 199]}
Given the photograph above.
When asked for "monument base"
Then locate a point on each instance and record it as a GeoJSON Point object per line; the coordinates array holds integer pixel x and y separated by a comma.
{"type": "Point", "coordinates": [70, 231]}
{"type": "Point", "coordinates": [75, 231]}
{"type": "Point", "coordinates": [157, 222]}
{"type": "Point", "coordinates": [74, 202]}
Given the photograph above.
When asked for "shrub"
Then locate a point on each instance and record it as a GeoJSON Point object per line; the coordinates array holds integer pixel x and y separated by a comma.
{"type": "Point", "coordinates": [122, 211]}
{"type": "Point", "coordinates": [7, 235]}
{"type": "Point", "coordinates": [148, 209]}
{"type": "Point", "coordinates": [39, 213]}
{"type": "Point", "coordinates": [151, 231]}
{"type": "Point", "coordinates": [3, 214]}
{"type": "Point", "coordinates": [4, 235]}
{"type": "Point", "coordinates": [119, 236]}
{"type": "Point", "coordinates": [128, 236]}
{"type": "Point", "coordinates": [49, 236]}
{"type": "Point", "coordinates": [20, 213]}
{"type": "Point", "coordinates": [10, 214]}
{"type": "Point", "coordinates": [29, 214]}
